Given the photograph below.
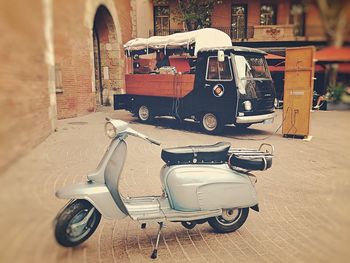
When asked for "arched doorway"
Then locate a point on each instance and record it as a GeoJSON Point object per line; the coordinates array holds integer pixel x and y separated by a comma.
{"type": "Point", "coordinates": [106, 56]}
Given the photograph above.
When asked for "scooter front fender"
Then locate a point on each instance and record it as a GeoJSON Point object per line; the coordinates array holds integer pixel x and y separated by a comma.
{"type": "Point", "coordinates": [97, 194]}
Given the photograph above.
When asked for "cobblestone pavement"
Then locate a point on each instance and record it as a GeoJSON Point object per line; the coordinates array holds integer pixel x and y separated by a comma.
{"type": "Point", "coordinates": [304, 197]}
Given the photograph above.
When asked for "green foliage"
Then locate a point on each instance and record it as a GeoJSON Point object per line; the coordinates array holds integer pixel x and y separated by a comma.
{"type": "Point", "coordinates": [194, 14]}
{"type": "Point", "coordinates": [160, 2]}
{"type": "Point", "coordinates": [336, 92]}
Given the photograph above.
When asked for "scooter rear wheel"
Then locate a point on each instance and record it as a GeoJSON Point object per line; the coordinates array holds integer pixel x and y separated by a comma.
{"type": "Point", "coordinates": [230, 220]}
{"type": "Point", "coordinates": [69, 232]}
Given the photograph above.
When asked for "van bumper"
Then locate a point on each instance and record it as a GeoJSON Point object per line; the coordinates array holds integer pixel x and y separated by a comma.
{"type": "Point", "coordinates": [256, 119]}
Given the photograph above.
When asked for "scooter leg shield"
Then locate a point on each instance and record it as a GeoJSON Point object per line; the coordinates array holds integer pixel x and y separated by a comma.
{"type": "Point", "coordinates": [97, 194]}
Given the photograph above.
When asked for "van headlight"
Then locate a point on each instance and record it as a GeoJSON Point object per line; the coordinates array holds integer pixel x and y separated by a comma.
{"type": "Point", "coordinates": [110, 130]}
{"type": "Point", "coordinates": [247, 105]}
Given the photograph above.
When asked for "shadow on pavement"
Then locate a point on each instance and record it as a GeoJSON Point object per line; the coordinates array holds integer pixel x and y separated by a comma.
{"type": "Point", "coordinates": [229, 131]}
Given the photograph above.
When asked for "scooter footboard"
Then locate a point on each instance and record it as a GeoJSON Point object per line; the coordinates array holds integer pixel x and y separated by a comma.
{"type": "Point", "coordinates": [97, 194]}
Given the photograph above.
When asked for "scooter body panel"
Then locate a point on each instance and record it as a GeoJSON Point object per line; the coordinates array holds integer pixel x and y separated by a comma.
{"type": "Point", "coordinates": [207, 187]}
{"type": "Point", "coordinates": [98, 175]}
{"type": "Point", "coordinates": [97, 194]}
{"type": "Point", "coordinates": [110, 169]}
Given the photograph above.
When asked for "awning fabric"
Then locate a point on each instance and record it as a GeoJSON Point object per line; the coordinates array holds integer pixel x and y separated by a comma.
{"type": "Point", "coordinates": [202, 38]}
{"type": "Point", "coordinates": [333, 55]}
{"type": "Point", "coordinates": [273, 56]}
{"type": "Point", "coordinates": [344, 68]}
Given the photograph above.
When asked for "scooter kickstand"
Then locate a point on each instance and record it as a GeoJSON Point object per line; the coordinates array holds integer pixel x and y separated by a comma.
{"type": "Point", "coordinates": [155, 250]}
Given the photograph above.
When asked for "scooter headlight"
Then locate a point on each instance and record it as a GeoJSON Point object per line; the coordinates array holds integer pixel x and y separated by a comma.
{"type": "Point", "coordinates": [110, 130]}
{"type": "Point", "coordinates": [247, 105]}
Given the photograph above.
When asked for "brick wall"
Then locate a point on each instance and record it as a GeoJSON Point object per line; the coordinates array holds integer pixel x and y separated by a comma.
{"type": "Point", "coordinates": [72, 57]}
{"type": "Point", "coordinates": [34, 38]}
{"type": "Point", "coordinates": [221, 16]}
{"type": "Point", "coordinates": [24, 94]}
{"type": "Point", "coordinates": [74, 50]}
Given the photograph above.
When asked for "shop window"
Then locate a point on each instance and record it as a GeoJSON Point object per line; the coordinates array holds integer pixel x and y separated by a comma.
{"type": "Point", "coordinates": [218, 70]}
{"type": "Point", "coordinates": [239, 21]}
{"type": "Point", "coordinates": [297, 18]}
{"type": "Point", "coordinates": [161, 20]}
{"type": "Point", "coordinates": [58, 79]}
{"type": "Point", "coordinates": [268, 14]}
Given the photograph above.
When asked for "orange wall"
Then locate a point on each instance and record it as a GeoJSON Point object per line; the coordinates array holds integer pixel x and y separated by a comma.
{"type": "Point", "coordinates": [221, 16]}
{"type": "Point", "coordinates": [314, 22]}
{"type": "Point", "coordinates": [283, 12]}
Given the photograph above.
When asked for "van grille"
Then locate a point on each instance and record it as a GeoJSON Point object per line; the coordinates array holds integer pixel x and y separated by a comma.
{"type": "Point", "coordinates": [264, 104]}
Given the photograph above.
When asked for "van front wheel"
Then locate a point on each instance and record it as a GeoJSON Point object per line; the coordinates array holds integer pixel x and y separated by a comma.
{"type": "Point", "coordinates": [144, 114]}
{"type": "Point", "coordinates": [211, 123]}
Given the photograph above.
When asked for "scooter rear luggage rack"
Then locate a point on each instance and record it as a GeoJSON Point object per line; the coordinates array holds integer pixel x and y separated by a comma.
{"type": "Point", "coordinates": [253, 156]}
{"type": "Point", "coordinates": [251, 159]}
{"type": "Point", "coordinates": [252, 153]}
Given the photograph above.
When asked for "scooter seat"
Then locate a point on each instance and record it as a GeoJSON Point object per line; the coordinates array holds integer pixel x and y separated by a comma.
{"type": "Point", "coordinates": [196, 154]}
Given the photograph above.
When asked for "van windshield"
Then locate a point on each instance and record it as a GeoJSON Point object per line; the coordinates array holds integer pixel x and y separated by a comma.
{"type": "Point", "coordinates": [251, 67]}
{"type": "Point", "coordinates": [250, 70]}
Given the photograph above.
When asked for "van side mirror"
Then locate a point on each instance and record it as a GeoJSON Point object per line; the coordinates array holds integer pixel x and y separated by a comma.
{"type": "Point", "coordinates": [221, 56]}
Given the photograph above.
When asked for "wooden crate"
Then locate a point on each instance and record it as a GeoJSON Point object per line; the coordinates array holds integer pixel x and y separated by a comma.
{"type": "Point", "coordinates": [162, 85]}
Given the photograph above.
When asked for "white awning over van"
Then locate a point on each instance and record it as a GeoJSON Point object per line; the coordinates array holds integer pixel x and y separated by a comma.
{"type": "Point", "coordinates": [202, 38]}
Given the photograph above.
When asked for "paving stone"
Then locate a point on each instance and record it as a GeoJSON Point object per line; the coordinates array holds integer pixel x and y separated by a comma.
{"type": "Point", "coordinates": [303, 198]}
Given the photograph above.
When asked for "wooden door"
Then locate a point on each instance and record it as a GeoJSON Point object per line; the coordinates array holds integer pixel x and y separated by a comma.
{"type": "Point", "coordinates": [298, 90]}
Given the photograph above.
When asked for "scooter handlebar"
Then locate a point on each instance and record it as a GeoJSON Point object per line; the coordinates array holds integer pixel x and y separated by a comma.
{"type": "Point", "coordinates": [142, 136]}
{"type": "Point", "coordinates": [153, 141]}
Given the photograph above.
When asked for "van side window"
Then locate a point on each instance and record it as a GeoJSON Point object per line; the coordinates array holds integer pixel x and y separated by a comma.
{"type": "Point", "coordinates": [218, 70]}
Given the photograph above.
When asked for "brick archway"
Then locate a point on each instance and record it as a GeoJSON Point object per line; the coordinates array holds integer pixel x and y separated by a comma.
{"type": "Point", "coordinates": [106, 57]}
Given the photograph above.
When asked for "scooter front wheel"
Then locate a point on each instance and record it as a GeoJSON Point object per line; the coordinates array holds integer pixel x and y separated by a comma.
{"type": "Point", "coordinates": [230, 220]}
{"type": "Point", "coordinates": [76, 223]}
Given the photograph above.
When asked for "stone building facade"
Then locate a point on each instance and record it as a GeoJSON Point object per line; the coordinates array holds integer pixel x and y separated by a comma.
{"type": "Point", "coordinates": [255, 23]}
{"type": "Point", "coordinates": [60, 59]}
{"type": "Point", "coordinates": [88, 51]}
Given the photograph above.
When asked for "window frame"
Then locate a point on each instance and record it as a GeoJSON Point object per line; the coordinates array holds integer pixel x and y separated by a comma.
{"type": "Point", "coordinates": [275, 9]}
{"type": "Point", "coordinates": [207, 70]}
{"type": "Point", "coordinates": [245, 6]}
{"type": "Point", "coordinates": [237, 76]}
{"type": "Point", "coordinates": [155, 18]}
{"type": "Point", "coordinates": [302, 26]}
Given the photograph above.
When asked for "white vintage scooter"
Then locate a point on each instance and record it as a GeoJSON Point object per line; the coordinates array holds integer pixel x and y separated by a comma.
{"type": "Point", "coordinates": [200, 184]}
